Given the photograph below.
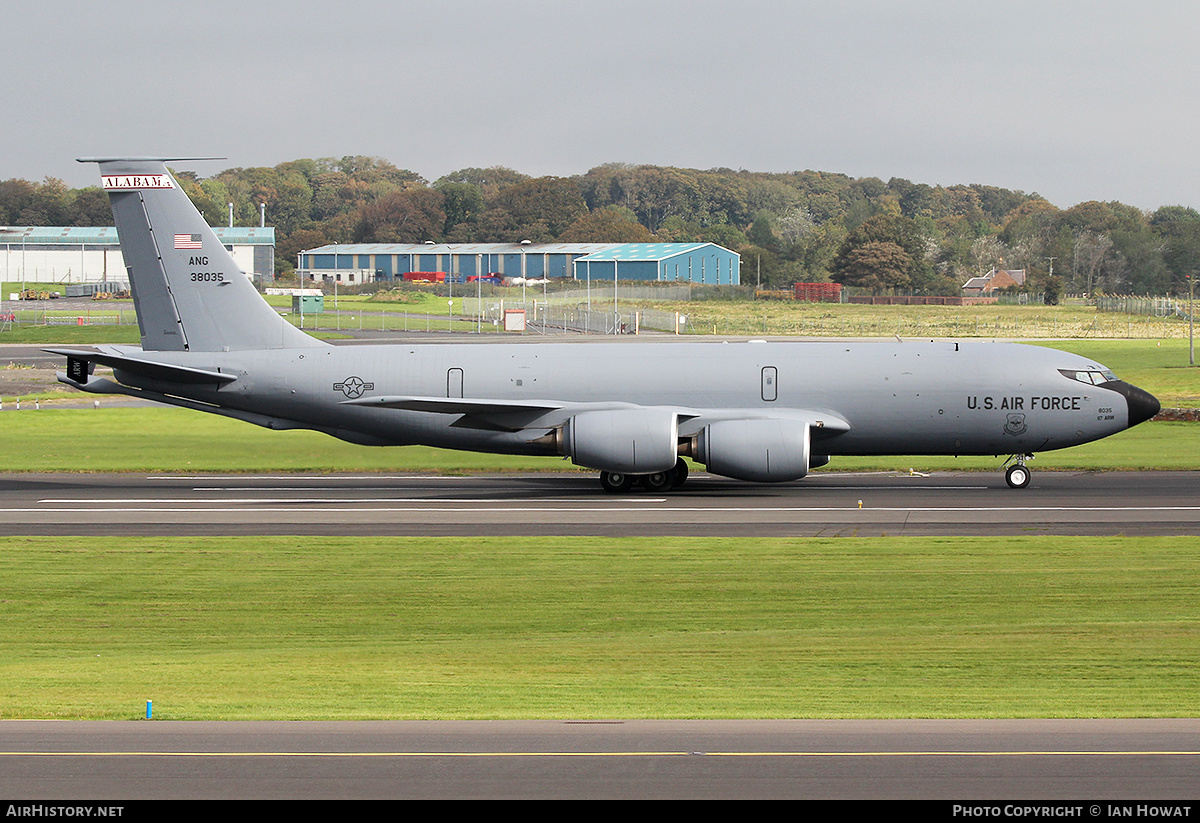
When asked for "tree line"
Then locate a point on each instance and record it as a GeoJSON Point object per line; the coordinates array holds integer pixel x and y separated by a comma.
{"type": "Point", "coordinates": [804, 226]}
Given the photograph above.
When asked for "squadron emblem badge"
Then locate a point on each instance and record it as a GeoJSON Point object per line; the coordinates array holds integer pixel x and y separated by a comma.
{"type": "Point", "coordinates": [1015, 425]}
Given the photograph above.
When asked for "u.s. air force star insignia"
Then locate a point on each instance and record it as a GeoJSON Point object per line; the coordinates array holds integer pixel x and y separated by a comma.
{"type": "Point", "coordinates": [353, 387]}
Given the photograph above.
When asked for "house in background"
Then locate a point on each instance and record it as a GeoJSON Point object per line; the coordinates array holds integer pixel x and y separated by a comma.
{"type": "Point", "coordinates": [993, 281]}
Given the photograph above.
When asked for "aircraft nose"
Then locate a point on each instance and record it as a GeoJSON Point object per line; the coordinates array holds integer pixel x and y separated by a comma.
{"type": "Point", "coordinates": [1142, 404]}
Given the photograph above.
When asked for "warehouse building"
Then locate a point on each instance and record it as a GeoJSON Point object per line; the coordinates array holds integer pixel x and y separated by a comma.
{"type": "Point", "coordinates": [354, 263]}
{"type": "Point", "coordinates": [705, 263]}
{"type": "Point", "coordinates": [45, 254]}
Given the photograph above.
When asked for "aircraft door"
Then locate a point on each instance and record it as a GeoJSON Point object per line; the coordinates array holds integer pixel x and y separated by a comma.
{"type": "Point", "coordinates": [770, 378]}
{"type": "Point", "coordinates": [454, 383]}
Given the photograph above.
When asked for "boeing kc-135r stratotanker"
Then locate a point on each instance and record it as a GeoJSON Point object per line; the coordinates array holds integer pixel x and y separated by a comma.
{"type": "Point", "coordinates": [760, 412]}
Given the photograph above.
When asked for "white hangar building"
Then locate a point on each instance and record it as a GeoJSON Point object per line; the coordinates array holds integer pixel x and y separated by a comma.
{"type": "Point", "coordinates": [48, 254]}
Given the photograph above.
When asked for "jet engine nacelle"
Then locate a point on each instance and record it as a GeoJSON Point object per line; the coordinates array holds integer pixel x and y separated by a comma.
{"type": "Point", "coordinates": [629, 441]}
{"type": "Point", "coordinates": [762, 450]}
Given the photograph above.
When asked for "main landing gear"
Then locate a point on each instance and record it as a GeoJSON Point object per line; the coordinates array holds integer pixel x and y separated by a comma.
{"type": "Point", "coordinates": [658, 482]}
{"type": "Point", "coordinates": [1018, 474]}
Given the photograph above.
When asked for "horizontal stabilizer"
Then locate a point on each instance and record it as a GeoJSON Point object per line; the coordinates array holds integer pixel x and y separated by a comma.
{"type": "Point", "coordinates": [142, 159]}
{"type": "Point", "coordinates": [149, 369]}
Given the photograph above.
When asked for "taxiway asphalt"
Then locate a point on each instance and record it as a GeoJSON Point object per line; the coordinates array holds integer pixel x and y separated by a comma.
{"type": "Point", "coordinates": [971, 762]}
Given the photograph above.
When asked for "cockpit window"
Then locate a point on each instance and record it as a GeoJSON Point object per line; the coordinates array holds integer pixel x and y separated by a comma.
{"type": "Point", "coordinates": [1093, 378]}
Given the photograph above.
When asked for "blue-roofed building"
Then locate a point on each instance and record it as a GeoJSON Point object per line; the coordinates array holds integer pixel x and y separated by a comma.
{"type": "Point", "coordinates": [73, 254]}
{"type": "Point", "coordinates": [354, 263]}
{"type": "Point", "coordinates": [662, 262]}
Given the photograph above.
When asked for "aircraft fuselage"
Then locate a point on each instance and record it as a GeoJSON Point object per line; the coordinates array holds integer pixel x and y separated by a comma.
{"type": "Point", "coordinates": [931, 397]}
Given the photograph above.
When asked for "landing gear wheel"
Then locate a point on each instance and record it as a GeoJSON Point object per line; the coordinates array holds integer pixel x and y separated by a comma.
{"type": "Point", "coordinates": [681, 472]}
{"type": "Point", "coordinates": [661, 482]}
{"type": "Point", "coordinates": [615, 482]}
{"type": "Point", "coordinates": [1017, 476]}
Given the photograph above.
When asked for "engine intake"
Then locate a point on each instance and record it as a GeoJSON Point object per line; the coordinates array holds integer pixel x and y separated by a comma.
{"type": "Point", "coordinates": [630, 441]}
{"type": "Point", "coordinates": [762, 450]}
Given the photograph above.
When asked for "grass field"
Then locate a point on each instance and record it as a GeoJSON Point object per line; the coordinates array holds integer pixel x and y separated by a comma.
{"type": "Point", "coordinates": [1160, 367]}
{"type": "Point", "coordinates": [71, 335]}
{"type": "Point", "coordinates": [506, 627]}
{"type": "Point", "coordinates": [856, 320]}
{"type": "Point", "coordinates": [324, 628]}
{"type": "Point", "coordinates": [177, 440]}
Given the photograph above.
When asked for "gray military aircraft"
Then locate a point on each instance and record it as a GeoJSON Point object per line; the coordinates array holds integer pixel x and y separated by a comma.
{"type": "Point", "coordinates": [760, 412]}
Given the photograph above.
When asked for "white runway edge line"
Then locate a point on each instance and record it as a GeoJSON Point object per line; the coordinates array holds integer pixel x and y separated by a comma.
{"type": "Point", "coordinates": [444, 754]}
{"type": "Point", "coordinates": [344, 489]}
{"type": "Point", "coordinates": [117, 504]}
{"type": "Point", "coordinates": [695, 475]}
{"type": "Point", "coordinates": [192, 478]}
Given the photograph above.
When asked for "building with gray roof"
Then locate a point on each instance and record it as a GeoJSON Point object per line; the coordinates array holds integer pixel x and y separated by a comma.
{"type": "Point", "coordinates": [354, 263]}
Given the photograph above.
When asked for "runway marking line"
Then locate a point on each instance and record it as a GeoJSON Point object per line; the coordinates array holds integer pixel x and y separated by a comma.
{"type": "Point", "coordinates": [192, 478]}
{"type": "Point", "coordinates": [376, 488]}
{"type": "Point", "coordinates": [800, 754]}
{"type": "Point", "coordinates": [250, 500]}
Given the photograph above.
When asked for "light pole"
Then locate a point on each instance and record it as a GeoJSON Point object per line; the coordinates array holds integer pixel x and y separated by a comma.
{"type": "Point", "coordinates": [524, 272]}
{"type": "Point", "coordinates": [1191, 321]}
{"type": "Point", "coordinates": [5, 232]}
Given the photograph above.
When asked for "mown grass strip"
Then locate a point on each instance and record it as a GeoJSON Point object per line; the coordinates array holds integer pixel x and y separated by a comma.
{"type": "Point", "coordinates": [257, 628]}
{"type": "Point", "coordinates": [177, 440]}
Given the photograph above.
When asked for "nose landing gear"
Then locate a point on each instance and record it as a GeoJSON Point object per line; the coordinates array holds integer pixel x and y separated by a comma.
{"type": "Point", "coordinates": [1018, 474]}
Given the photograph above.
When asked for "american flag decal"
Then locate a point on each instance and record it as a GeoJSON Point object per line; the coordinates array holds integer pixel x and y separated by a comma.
{"type": "Point", "coordinates": [187, 241]}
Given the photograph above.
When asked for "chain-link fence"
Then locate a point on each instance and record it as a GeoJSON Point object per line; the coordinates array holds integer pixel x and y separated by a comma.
{"type": "Point", "coordinates": [1150, 306]}
{"type": "Point", "coordinates": [554, 317]}
{"type": "Point", "coordinates": [596, 312]}
{"type": "Point", "coordinates": [48, 317]}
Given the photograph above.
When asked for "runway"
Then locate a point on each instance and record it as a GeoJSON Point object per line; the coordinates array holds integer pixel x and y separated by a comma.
{"type": "Point", "coordinates": [968, 762]}
{"type": "Point", "coordinates": [941, 761]}
{"type": "Point", "coordinates": [824, 504]}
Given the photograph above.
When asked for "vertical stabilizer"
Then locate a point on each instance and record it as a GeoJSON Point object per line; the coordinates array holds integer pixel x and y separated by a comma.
{"type": "Point", "coordinates": [189, 293]}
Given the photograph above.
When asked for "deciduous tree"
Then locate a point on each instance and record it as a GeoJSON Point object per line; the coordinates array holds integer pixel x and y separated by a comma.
{"type": "Point", "coordinates": [876, 266]}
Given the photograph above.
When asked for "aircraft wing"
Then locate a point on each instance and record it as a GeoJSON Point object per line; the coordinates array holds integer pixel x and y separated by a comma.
{"type": "Point", "coordinates": [515, 415]}
{"type": "Point", "coordinates": [453, 405]}
{"type": "Point", "coordinates": [496, 415]}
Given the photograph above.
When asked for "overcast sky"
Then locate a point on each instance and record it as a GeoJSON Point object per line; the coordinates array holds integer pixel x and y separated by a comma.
{"type": "Point", "coordinates": [1074, 100]}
